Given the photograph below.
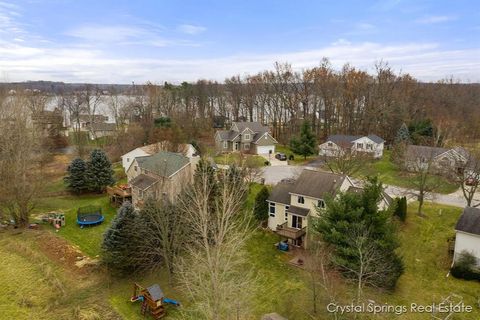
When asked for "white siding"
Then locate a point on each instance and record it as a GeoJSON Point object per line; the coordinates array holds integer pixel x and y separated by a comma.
{"type": "Point", "coordinates": [265, 149]}
{"type": "Point", "coordinates": [467, 242]}
{"type": "Point", "coordinates": [128, 158]}
{"type": "Point", "coordinates": [279, 217]}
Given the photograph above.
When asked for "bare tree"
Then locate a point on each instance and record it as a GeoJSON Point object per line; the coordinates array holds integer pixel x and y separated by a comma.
{"type": "Point", "coordinates": [422, 164]}
{"type": "Point", "coordinates": [21, 157]}
{"type": "Point", "coordinates": [468, 177]}
{"type": "Point", "coordinates": [346, 161]}
{"type": "Point", "coordinates": [214, 270]}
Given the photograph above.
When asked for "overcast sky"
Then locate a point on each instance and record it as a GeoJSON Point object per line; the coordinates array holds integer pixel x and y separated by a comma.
{"type": "Point", "coordinates": [116, 41]}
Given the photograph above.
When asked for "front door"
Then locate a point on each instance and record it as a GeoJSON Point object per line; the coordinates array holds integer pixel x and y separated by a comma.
{"type": "Point", "coordinates": [296, 222]}
{"type": "Point", "coordinates": [237, 146]}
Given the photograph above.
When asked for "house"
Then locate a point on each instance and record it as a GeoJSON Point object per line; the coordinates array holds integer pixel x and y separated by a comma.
{"type": "Point", "coordinates": [248, 137]}
{"type": "Point", "coordinates": [84, 121]}
{"type": "Point", "coordinates": [292, 202]}
{"type": "Point", "coordinates": [162, 175]}
{"type": "Point", "coordinates": [101, 129]}
{"type": "Point", "coordinates": [186, 149]}
{"type": "Point", "coordinates": [338, 144]}
{"type": "Point", "coordinates": [467, 237]}
{"type": "Point", "coordinates": [441, 160]}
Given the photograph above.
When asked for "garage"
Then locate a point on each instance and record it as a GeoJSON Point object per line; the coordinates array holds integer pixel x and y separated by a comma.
{"type": "Point", "coordinates": [266, 149]}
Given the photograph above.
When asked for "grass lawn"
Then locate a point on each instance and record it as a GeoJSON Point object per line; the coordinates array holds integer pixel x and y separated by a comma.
{"type": "Point", "coordinates": [298, 159]}
{"type": "Point", "coordinates": [236, 158]}
{"type": "Point", "coordinates": [390, 174]}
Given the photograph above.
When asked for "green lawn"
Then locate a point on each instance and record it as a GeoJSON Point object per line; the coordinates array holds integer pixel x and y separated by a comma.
{"type": "Point", "coordinates": [298, 159]}
{"type": "Point", "coordinates": [390, 174]}
{"type": "Point", "coordinates": [236, 158]}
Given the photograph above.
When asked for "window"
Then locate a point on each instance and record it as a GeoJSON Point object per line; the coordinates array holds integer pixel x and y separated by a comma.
{"type": "Point", "coordinates": [297, 222]}
{"type": "Point", "coordinates": [321, 204]}
{"type": "Point", "coordinates": [225, 144]}
{"type": "Point", "coordinates": [286, 213]}
{"type": "Point", "coordinates": [330, 144]}
{"type": "Point", "coordinates": [359, 145]}
{"type": "Point", "coordinates": [271, 209]}
{"type": "Point", "coordinates": [246, 136]}
{"type": "Point", "coordinates": [369, 146]}
{"type": "Point", "coordinates": [135, 168]}
{"type": "Point", "coordinates": [301, 200]}
{"type": "Point", "coordinates": [128, 159]}
{"type": "Point", "coordinates": [246, 146]}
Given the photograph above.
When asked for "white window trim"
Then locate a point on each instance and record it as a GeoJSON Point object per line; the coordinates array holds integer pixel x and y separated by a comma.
{"type": "Point", "coordinates": [301, 197]}
{"type": "Point", "coordinates": [246, 136]}
{"type": "Point", "coordinates": [270, 206]}
{"type": "Point", "coordinates": [321, 206]}
{"type": "Point", "coordinates": [225, 144]}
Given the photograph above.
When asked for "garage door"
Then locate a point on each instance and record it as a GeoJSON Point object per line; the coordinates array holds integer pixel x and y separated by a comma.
{"type": "Point", "coordinates": [265, 149]}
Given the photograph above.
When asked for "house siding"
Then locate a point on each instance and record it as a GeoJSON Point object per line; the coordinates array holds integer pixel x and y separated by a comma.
{"type": "Point", "coordinates": [467, 242]}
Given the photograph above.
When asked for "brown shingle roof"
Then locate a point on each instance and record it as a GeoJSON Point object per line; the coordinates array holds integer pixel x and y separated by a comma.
{"type": "Point", "coordinates": [281, 192]}
{"type": "Point", "coordinates": [142, 181]}
{"type": "Point", "coordinates": [298, 211]}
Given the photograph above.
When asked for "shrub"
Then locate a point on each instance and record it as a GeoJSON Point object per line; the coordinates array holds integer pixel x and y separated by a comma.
{"type": "Point", "coordinates": [260, 210]}
{"type": "Point", "coordinates": [466, 267]}
{"type": "Point", "coordinates": [401, 208]}
{"type": "Point", "coordinates": [267, 163]}
{"type": "Point", "coordinates": [291, 157]}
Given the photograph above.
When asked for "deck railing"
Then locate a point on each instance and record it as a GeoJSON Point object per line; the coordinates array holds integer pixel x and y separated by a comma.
{"type": "Point", "coordinates": [292, 233]}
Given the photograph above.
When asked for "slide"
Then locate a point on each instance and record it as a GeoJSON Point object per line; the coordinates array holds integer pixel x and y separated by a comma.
{"type": "Point", "coordinates": [171, 301]}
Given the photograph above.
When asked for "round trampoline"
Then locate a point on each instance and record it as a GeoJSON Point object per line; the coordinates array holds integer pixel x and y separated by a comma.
{"type": "Point", "coordinates": [89, 216]}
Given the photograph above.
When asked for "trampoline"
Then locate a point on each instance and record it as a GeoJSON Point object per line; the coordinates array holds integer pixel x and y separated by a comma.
{"type": "Point", "coordinates": [89, 216]}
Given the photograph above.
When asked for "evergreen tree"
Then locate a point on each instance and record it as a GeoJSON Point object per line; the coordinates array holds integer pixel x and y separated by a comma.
{"type": "Point", "coordinates": [357, 213]}
{"type": "Point", "coordinates": [75, 179]}
{"type": "Point", "coordinates": [305, 145]}
{"type": "Point", "coordinates": [260, 210]}
{"type": "Point", "coordinates": [401, 208]}
{"type": "Point", "coordinates": [99, 171]}
{"type": "Point", "coordinates": [119, 240]}
{"type": "Point", "coordinates": [403, 135]}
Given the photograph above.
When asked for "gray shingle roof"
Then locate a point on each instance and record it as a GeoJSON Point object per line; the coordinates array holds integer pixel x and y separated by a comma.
{"type": "Point", "coordinates": [414, 152]}
{"type": "Point", "coordinates": [227, 135]}
{"type": "Point", "coordinates": [281, 192]}
{"type": "Point", "coordinates": [155, 292]}
{"type": "Point", "coordinates": [317, 184]}
{"type": "Point", "coordinates": [142, 181]}
{"type": "Point", "coordinates": [469, 221]}
{"type": "Point", "coordinates": [298, 211]}
{"type": "Point", "coordinates": [375, 138]}
{"type": "Point", "coordinates": [254, 126]}
{"type": "Point", "coordinates": [163, 163]}
{"type": "Point", "coordinates": [344, 139]}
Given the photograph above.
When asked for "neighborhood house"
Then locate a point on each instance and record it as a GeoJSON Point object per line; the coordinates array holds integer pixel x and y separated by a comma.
{"type": "Point", "coordinates": [467, 237]}
{"type": "Point", "coordinates": [440, 160]}
{"type": "Point", "coordinates": [337, 145]}
{"type": "Point", "coordinates": [248, 137]}
{"type": "Point", "coordinates": [159, 176]}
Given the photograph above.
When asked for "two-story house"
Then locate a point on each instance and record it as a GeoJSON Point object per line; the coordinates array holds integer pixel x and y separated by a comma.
{"type": "Point", "coordinates": [248, 137]}
{"type": "Point", "coordinates": [292, 203]}
{"type": "Point", "coordinates": [337, 145]}
{"type": "Point", "coordinates": [162, 175]}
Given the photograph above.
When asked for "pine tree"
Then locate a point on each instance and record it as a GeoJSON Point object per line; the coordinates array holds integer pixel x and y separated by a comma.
{"type": "Point", "coordinates": [99, 171]}
{"type": "Point", "coordinates": [354, 214]}
{"type": "Point", "coordinates": [119, 240]}
{"type": "Point", "coordinates": [403, 135]}
{"type": "Point", "coordinates": [260, 210]}
{"type": "Point", "coordinates": [75, 179]}
{"type": "Point", "coordinates": [305, 145]}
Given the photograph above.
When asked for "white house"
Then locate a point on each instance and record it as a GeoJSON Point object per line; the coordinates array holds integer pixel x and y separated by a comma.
{"type": "Point", "coordinates": [186, 149]}
{"type": "Point", "coordinates": [338, 144]}
{"type": "Point", "coordinates": [467, 237]}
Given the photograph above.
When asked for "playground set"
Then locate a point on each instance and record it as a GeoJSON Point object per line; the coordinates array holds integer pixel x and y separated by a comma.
{"type": "Point", "coordinates": [153, 300]}
{"type": "Point", "coordinates": [89, 216]}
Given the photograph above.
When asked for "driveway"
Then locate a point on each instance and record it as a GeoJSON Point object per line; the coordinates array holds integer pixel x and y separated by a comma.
{"type": "Point", "coordinates": [273, 161]}
{"type": "Point", "coordinates": [274, 174]}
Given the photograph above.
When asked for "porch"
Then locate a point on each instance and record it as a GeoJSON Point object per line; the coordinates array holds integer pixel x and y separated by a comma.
{"type": "Point", "coordinates": [291, 233]}
{"type": "Point", "coordinates": [119, 194]}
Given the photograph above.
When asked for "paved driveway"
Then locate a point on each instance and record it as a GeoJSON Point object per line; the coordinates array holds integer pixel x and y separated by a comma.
{"type": "Point", "coordinates": [274, 174]}
{"type": "Point", "coordinates": [273, 161]}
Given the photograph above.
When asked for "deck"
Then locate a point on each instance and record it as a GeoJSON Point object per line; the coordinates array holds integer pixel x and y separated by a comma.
{"type": "Point", "coordinates": [119, 194]}
{"type": "Point", "coordinates": [291, 233]}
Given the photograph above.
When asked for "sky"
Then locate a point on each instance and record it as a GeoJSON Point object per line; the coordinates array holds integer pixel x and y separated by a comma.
{"type": "Point", "coordinates": [117, 41]}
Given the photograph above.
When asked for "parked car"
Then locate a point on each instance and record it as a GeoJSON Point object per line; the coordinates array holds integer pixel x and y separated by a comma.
{"type": "Point", "coordinates": [471, 181]}
{"type": "Point", "coordinates": [281, 156]}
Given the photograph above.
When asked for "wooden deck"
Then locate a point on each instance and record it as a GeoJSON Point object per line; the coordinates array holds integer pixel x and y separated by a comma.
{"type": "Point", "coordinates": [119, 194]}
{"type": "Point", "coordinates": [291, 233]}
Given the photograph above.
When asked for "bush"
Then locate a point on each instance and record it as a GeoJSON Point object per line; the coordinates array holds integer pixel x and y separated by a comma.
{"type": "Point", "coordinates": [267, 163]}
{"type": "Point", "coordinates": [401, 208]}
{"type": "Point", "coordinates": [291, 157]}
{"type": "Point", "coordinates": [260, 210]}
{"type": "Point", "coordinates": [465, 267]}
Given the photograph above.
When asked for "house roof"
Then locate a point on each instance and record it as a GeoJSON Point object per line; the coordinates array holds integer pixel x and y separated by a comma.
{"type": "Point", "coordinates": [414, 152]}
{"type": "Point", "coordinates": [281, 192]}
{"type": "Point", "coordinates": [142, 181]}
{"type": "Point", "coordinates": [254, 126]}
{"type": "Point", "coordinates": [317, 184]}
{"type": "Point", "coordinates": [386, 197]}
{"type": "Point", "coordinates": [298, 211]}
{"type": "Point", "coordinates": [163, 163]}
{"type": "Point", "coordinates": [183, 148]}
{"type": "Point", "coordinates": [155, 292]}
{"type": "Point", "coordinates": [228, 135]}
{"type": "Point", "coordinates": [342, 139]}
{"type": "Point", "coordinates": [103, 126]}
{"type": "Point", "coordinates": [469, 221]}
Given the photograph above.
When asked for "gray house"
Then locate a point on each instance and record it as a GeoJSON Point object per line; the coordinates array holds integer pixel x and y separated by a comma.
{"type": "Point", "coordinates": [248, 137]}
